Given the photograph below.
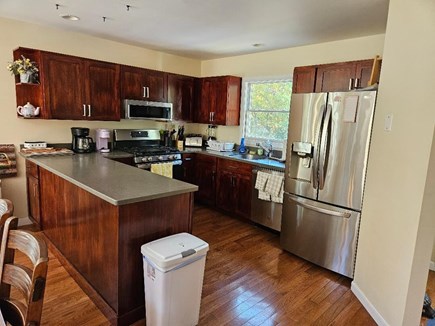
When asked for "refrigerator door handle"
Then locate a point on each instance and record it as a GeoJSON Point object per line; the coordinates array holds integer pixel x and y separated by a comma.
{"type": "Point", "coordinates": [316, 149]}
{"type": "Point", "coordinates": [324, 146]}
{"type": "Point", "coordinates": [300, 202]}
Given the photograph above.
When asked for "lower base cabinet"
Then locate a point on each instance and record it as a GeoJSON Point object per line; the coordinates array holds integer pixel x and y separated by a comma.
{"type": "Point", "coordinates": [33, 197]}
{"type": "Point", "coordinates": [205, 179]}
{"type": "Point", "coordinates": [233, 190]}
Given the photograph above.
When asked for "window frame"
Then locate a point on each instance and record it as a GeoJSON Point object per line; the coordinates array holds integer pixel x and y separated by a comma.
{"type": "Point", "coordinates": [252, 141]}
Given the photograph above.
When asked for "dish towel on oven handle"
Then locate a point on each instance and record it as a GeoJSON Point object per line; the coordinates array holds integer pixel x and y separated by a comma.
{"type": "Point", "coordinates": [164, 169]}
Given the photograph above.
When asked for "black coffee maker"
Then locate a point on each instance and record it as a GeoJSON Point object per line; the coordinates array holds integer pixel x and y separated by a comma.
{"type": "Point", "coordinates": [81, 142]}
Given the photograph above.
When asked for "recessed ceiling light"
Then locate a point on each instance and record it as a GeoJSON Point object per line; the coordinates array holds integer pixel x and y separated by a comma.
{"type": "Point", "coordinates": [258, 45]}
{"type": "Point", "coordinates": [70, 17]}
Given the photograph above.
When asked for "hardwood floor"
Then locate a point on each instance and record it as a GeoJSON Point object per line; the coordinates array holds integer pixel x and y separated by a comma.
{"type": "Point", "coordinates": [248, 280]}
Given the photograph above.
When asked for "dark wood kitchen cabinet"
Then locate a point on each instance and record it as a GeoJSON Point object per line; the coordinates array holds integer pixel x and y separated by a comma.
{"type": "Point", "coordinates": [219, 101]}
{"type": "Point", "coordinates": [72, 88]}
{"type": "Point", "coordinates": [181, 93]}
{"type": "Point", "coordinates": [189, 167]}
{"type": "Point", "coordinates": [33, 197]}
{"type": "Point", "coordinates": [234, 186]}
{"type": "Point", "coordinates": [205, 179]}
{"type": "Point", "coordinates": [333, 77]}
{"type": "Point", "coordinates": [304, 79]}
{"type": "Point", "coordinates": [143, 84]}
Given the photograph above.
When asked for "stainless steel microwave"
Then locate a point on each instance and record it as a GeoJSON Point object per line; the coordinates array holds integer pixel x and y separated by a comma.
{"type": "Point", "coordinates": [141, 110]}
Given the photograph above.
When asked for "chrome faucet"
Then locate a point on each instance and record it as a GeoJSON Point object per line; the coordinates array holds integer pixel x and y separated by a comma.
{"type": "Point", "coordinates": [267, 146]}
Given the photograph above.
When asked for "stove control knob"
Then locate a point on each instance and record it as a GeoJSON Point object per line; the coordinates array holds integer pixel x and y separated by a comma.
{"type": "Point", "coordinates": [161, 158]}
{"type": "Point", "coordinates": [150, 158]}
{"type": "Point", "coordinates": [170, 157]}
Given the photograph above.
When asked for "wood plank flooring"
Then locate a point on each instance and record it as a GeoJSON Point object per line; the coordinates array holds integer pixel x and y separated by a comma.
{"type": "Point", "coordinates": [248, 280]}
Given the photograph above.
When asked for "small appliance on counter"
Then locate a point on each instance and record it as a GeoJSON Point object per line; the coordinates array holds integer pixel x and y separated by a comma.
{"type": "Point", "coordinates": [81, 142]}
{"type": "Point", "coordinates": [193, 140]}
{"type": "Point", "coordinates": [211, 132]}
{"type": "Point", "coordinates": [102, 140]}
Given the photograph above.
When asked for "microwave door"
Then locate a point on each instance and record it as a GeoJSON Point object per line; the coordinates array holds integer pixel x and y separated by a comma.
{"type": "Point", "coordinates": [306, 113]}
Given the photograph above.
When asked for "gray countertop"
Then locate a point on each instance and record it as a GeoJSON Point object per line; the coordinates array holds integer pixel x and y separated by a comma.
{"type": "Point", "coordinates": [115, 182]}
{"type": "Point", "coordinates": [265, 163]}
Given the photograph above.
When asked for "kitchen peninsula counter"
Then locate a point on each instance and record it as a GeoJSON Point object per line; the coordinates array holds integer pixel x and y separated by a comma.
{"type": "Point", "coordinates": [96, 213]}
{"type": "Point", "coordinates": [114, 182]}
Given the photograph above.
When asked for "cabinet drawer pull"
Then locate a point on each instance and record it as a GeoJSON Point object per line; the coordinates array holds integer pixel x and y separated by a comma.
{"type": "Point", "coordinates": [84, 110]}
{"type": "Point", "coordinates": [89, 110]}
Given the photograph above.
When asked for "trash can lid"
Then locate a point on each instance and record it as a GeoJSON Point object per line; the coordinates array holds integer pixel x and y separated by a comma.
{"type": "Point", "coordinates": [169, 252]}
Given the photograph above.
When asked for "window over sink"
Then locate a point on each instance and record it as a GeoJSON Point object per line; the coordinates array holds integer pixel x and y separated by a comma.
{"type": "Point", "coordinates": [266, 105]}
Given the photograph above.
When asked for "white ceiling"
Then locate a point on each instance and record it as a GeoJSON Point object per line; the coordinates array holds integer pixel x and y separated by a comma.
{"type": "Point", "coordinates": [206, 29]}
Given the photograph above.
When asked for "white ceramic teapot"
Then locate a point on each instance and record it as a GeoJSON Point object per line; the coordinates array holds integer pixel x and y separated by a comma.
{"type": "Point", "coordinates": [28, 110]}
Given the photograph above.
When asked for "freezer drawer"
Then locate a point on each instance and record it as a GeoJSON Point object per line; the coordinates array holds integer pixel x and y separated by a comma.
{"type": "Point", "coordinates": [323, 234]}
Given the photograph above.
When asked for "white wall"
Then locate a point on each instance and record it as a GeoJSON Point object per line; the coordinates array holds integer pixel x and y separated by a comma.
{"type": "Point", "coordinates": [15, 131]}
{"type": "Point", "coordinates": [282, 63]}
{"type": "Point", "coordinates": [397, 225]}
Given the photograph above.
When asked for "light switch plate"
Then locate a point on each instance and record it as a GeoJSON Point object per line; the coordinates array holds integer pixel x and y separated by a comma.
{"type": "Point", "coordinates": [388, 122]}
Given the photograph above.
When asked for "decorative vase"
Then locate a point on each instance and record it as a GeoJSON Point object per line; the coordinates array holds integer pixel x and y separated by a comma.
{"type": "Point", "coordinates": [26, 78]}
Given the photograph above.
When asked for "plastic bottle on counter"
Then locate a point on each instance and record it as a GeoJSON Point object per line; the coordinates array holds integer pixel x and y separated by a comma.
{"type": "Point", "coordinates": [242, 147]}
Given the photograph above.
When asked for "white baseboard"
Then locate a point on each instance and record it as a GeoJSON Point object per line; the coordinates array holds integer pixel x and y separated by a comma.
{"type": "Point", "coordinates": [368, 305]}
{"type": "Point", "coordinates": [432, 266]}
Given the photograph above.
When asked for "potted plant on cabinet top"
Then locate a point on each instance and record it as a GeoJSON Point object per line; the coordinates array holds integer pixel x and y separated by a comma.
{"type": "Point", "coordinates": [25, 68]}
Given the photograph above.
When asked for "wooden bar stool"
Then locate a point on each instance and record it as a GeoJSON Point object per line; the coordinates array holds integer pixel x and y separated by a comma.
{"type": "Point", "coordinates": [30, 282]}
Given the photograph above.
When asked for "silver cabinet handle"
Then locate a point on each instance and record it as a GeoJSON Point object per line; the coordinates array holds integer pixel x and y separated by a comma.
{"type": "Point", "coordinates": [350, 84]}
{"type": "Point", "coordinates": [209, 116]}
{"type": "Point", "coordinates": [356, 83]}
{"type": "Point", "coordinates": [144, 91]}
{"type": "Point", "coordinates": [212, 116]}
{"type": "Point", "coordinates": [84, 110]}
{"type": "Point", "coordinates": [148, 92]}
{"type": "Point", "coordinates": [89, 110]}
{"type": "Point", "coordinates": [188, 159]}
{"type": "Point", "coordinates": [319, 209]}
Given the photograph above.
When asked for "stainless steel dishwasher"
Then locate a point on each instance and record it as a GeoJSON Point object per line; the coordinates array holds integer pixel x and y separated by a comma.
{"type": "Point", "coordinates": [266, 213]}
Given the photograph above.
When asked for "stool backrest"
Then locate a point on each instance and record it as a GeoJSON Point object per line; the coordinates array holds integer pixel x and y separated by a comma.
{"type": "Point", "coordinates": [29, 281]}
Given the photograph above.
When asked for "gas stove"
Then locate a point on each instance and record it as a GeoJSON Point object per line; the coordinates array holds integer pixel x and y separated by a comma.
{"type": "Point", "coordinates": [145, 146]}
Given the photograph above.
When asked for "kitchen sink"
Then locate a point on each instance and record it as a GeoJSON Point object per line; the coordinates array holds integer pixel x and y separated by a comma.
{"type": "Point", "coordinates": [250, 156]}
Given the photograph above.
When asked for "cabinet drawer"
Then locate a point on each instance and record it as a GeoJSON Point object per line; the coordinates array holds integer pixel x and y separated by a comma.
{"type": "Point", "coordinates": [231, 165]}
{"type": "Point", "coordinates": [211, 160]}
{"type": "Point", "coordinates": [32, 169]}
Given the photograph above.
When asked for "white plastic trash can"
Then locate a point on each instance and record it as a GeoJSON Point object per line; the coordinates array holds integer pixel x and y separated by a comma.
{"type": "Point", "coordinates": [173, 276]}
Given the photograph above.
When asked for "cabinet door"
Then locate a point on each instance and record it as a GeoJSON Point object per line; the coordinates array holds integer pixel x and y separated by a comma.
{"type": "Point", "coordinates": [132, 84]}
{"type": "Point", "coordinates": [33, 198]}
{"type": "Point", "coordinates": [156, 83]}
{"type": "Point", "coordinates": [244, 189]}
{"type": "Point", "coordinates": [363, 72]}
{"type": "Point", "coordinates": [180, 94]}
{"type": "Point", "coordinates": [64, 86]}
{"type": "Point", "coordinates": [205, 176]}
{"type": "Point", "coordinates": [226, 194]}
{"type": "Point", "coordinates": [219, 94]}
{"type": "Point", "coordinates": [207, 102]}
{"type": "Point", "coordinates": [102, 90]}
{"type": "Point", "coordinates": [304, 79]}
{"type": "Point", "coordinates": [189, 168]}
{"type": "Point", "coordinates": [334, 77]}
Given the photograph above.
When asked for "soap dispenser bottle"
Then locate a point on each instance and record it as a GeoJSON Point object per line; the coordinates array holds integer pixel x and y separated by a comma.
{"type": "Point", "coordinates": [242, 147]}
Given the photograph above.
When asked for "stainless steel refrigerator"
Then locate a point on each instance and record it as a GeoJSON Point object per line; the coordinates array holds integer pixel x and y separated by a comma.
{"type": "Point", "coordinates": [327, 149]}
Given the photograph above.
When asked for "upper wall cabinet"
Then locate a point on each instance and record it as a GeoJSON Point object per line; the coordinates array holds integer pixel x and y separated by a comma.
{"type": "Point", "coordinates": [181, 93]}
{"type": "Point", "coordinates": [219, 101]}
{"type": "Point", "coordinates": [341, 76]}
{"type": "Point", "coordinates": [143, 84]}
{"type": "Point", "coordinates": [72, 88]}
